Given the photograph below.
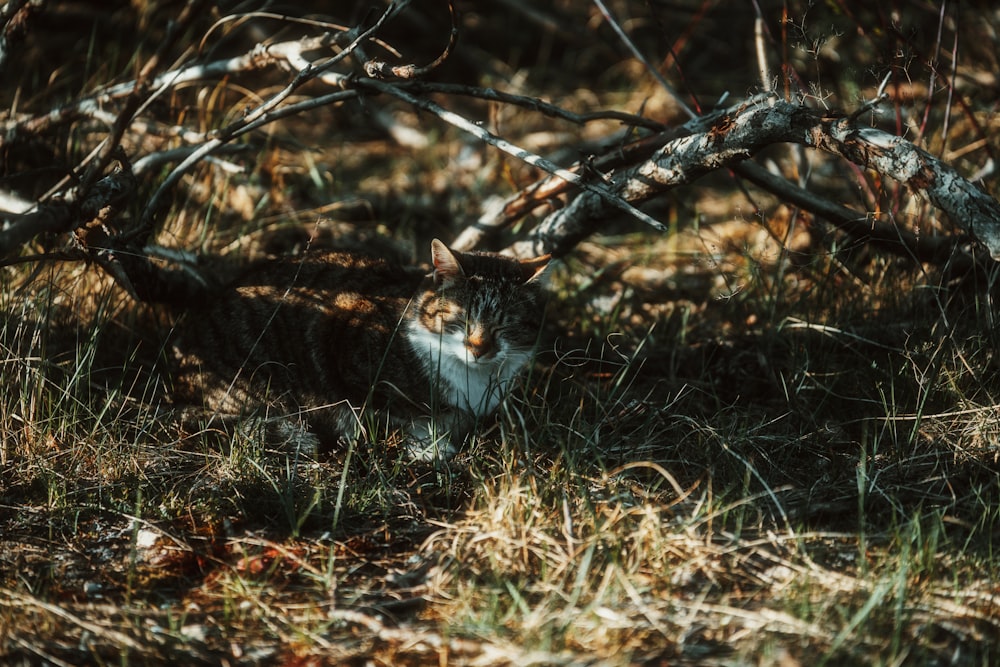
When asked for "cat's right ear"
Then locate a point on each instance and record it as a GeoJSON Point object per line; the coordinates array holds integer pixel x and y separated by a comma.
{"type": "Point", "coordinates": [447, 268]}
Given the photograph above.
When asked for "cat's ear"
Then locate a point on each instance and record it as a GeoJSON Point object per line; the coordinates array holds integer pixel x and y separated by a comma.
{"type": "Point", "coordinates": [447, 268]}
{"type": "Point", "coordinates": [534, 270]}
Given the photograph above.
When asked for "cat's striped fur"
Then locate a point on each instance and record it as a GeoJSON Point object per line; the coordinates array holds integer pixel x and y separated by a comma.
{"type": "Point", "coordinates": [321, 336]}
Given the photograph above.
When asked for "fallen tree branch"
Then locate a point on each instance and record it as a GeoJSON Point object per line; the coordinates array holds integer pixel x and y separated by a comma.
{"type": "Point", "coordinates": [584, 195]}
{"type": "Point", "coordinates": [934, 250]}
{"type": "Point", "coordinates": [75, 210]}
{"type": "Point", "coordinates": [728, 138]}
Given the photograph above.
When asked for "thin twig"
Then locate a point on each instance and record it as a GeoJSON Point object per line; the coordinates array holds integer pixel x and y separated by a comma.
{"type": "Point", "coordinates": [378, 69]}
{"type": "Point", "coordinates": [260, 114]}
{"type": "Point", "coordinates": [532, 103]}
{"type": "Point", "coordinates": [509, 148]}
{"type": "Point", "coordinates": [135, 101]}
{"type": "Point", "coordinates": [609, 17]}
{"type": "Point", "coordinates": [932, 249]}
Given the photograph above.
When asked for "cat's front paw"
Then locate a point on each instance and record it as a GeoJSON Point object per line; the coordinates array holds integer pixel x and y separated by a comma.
{"type": "Point", "coordinates": [428, 440]}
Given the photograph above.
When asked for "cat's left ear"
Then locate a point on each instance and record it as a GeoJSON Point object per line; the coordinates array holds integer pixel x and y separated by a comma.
{"type": "Point", "coordinates": [447, 268]}
{"type": "Point", "coordinates": [534, 270]}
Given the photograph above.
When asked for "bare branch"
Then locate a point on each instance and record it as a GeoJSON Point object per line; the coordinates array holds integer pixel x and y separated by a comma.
{"type": "Point", "coordinates": [549, 190]}
{"type": "Point", "coordinates": [289, 53]}
{"type": "Point", "coordinates": [639, 55]}
{"type": "Point", "coordinates": [933, 250]}
{"type": "Point", "coordinates": [73, 211]}
{"type": "Point", "coordinates": [261, 114]}
{"type": "Point", "coordinates": [617, 181]}
{"type": "Point", "coordinates": [13, 16]}
{"type": "Point", "coordinates": [726, 139]}
{"type": "Point", "coordinates": [378, 69]}
{"type": "Point", "coordinates": [531, 103]}
{"type": "Point", "coordinates": [600, 192]}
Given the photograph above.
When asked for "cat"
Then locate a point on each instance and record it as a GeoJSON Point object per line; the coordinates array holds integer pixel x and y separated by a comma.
{"type": "Point", "coordinates": [319, 338]}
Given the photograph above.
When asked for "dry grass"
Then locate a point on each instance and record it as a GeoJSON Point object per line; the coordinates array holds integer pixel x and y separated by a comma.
{"type": "Point", "coordinates": [748, 442]}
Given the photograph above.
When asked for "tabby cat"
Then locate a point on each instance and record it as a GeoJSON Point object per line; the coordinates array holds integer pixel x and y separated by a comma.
{"type": "Point", "coordinates": [317, 338]}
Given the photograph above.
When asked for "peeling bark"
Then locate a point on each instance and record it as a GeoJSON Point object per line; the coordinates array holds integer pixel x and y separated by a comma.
{"type": "Point", "coordinates": [727, 138]}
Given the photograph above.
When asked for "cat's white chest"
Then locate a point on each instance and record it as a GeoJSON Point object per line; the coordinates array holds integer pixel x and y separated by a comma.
{"type": "Point", "coordinates": [474, 385]}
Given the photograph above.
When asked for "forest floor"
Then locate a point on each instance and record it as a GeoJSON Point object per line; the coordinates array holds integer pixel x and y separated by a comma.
{"type": "Point", "coordinates": [751, 440]}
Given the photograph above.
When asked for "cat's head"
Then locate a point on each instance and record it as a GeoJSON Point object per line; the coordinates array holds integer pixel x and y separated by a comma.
{"type": "Point", "coordinates": [485, 308]}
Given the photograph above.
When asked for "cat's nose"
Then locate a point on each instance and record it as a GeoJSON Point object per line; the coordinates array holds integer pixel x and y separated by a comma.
{"type": "Point", "coordinates": [479, 344]}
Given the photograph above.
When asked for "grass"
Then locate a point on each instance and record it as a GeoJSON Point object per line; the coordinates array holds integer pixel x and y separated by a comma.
{"type": "Point", "coordinates": [624, 508]}
{"type": "Point", "coordinates": [793, 491]}
{"type": "Point", "coordinates": [749, 441]}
